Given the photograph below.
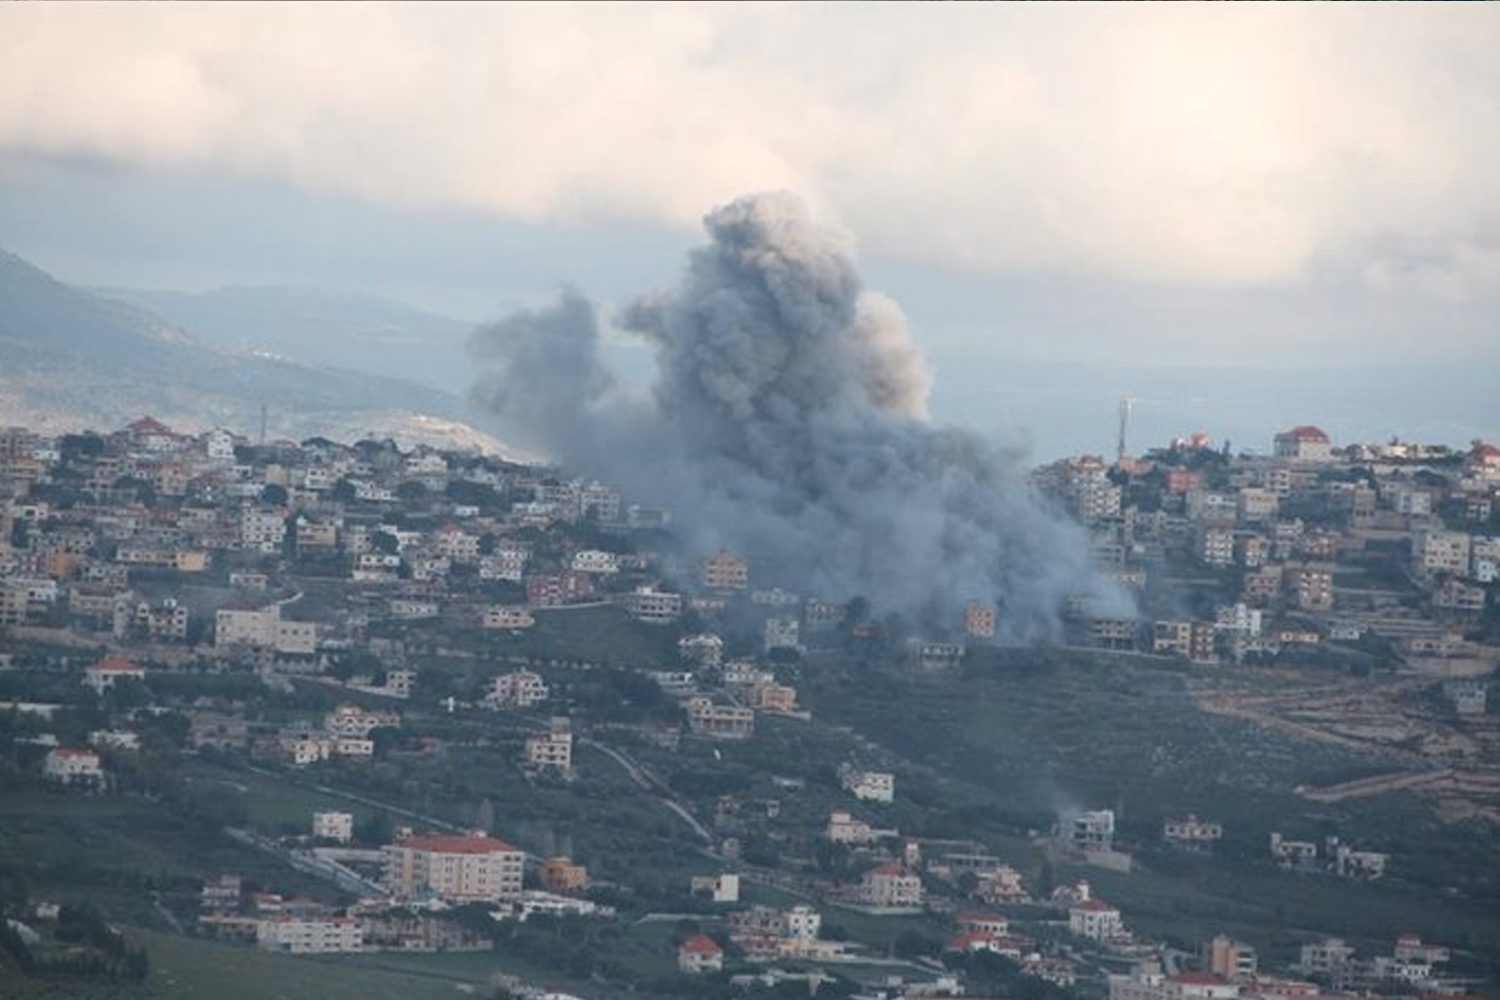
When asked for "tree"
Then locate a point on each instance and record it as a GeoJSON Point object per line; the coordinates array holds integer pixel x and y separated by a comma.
{"type": "Point", "coordinates": [274, 494]}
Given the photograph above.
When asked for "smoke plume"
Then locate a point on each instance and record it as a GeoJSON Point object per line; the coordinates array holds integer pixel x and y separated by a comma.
{"type": "Point", "coordinates": [788, 422]}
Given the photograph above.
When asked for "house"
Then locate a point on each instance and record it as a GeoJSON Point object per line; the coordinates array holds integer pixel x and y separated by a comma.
{"type": "Point", "coordinates": [521, 689]}
{"type": "Point", "coordinates": [310, 935]}
{"type": "Point", "coordinates": [350, 719]}
{"type": "Point", "coordinates": [653, 606]}
{"type": "Point", "coordinates": [783, 633]}
{"type": "Point", "coordinates": [1092, 831]}
{"type": "Point", "coordinates": [73, 766]}
{"type": "Point", "coordinates": [725, 722]}
{"type": "Point", "coordinates": [337, 826]}
{"type": "Point", "coordinates": [103, 675]}
{"type": "Point", "coordinates": [1230, 959]}
{"type": "Point", "coordinates": [871, 786]}
{"type": "Point", "coordinates": [721, 888]}
{"type": "Point", "coordinates": [1304, 444]}
{"type": "Point", "coordinates": [456, 869]}
{"type": "Point", "coordinates": [562, 875]}
{"type": "Point", "coordinates": [1192, 833]}
{"type": "Point", "coordinates": [725, 571]}
{"type": "Point", "coordinates": [700, 954]}
{"type": "Point", "coordinates": [507, 617]}
{"type": "Point", "coordinates": [552, 749]}
{"type": "Point", "coordinates": [843, 828]}
{"type": "Point", "coordinates": [890, 886]}
{"type": "Point", "coordinates": [1095, 919]}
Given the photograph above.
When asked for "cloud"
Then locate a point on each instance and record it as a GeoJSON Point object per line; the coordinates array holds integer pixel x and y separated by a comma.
{"type": "Point", "coordinates": [1212, 145]}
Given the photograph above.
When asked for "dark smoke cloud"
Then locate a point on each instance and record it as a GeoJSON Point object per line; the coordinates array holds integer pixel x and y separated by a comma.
{"type": "Point", "coordinates": [788, 422]}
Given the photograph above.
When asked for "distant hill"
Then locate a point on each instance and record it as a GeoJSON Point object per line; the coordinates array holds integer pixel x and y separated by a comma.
{"type": "Point", "coordinates": [70, 359]}
{"type": "Point", "coordinates": [319, 327]}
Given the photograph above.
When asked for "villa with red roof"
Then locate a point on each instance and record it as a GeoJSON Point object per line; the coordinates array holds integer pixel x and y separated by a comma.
{"type": "Point", "coordinates": [455, 868]}
{"type": "Point", "coordinates": [103, 675]}
{"type": "Point", "coordinates": [1304, 444]}
{"type": "Point", "coordinates": [1095, 919]}
{"type": "Point", "coordinates": [73, 766]}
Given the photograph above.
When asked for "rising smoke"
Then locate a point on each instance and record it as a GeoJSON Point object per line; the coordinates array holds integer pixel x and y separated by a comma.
{"type": "Point", "coordinates": [788, 422]}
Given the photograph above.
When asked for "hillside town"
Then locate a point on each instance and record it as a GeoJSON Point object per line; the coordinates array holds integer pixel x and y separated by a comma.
{"type": "Point", "coordinates": [189, 614]}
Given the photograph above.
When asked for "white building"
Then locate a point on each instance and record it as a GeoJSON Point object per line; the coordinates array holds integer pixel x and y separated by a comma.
{"type": "Point", "coordinates": [456, 869]}
{"type": "Point", "coordinates": [106, 673]}
{"type": "Point", "coordinates": [871, 786]}
{"type": "Point", "coordinates": [1192, 833]}
{"type": "Point", "coordinates": [310, 936]}
{"type": "Point", "coordinates": [1093, 830]}
{"type": "Point", "coordinates": [657, 607]}
{"type": "Point", "coordinates": [521, 689]}
{"type": "Point", "coordinates": [507, 617]}
{"type": "Point", "coordinates": [891, 886]}
{"type": "Point", "coordinates": [72, 766]}
{"type": "Point", "coordinates": [337, 826]}
{"type": "Point", "coordinates": [782, 633]}
{"type": "Point", "coordinates": [264, 629]}
{"type": "Point", "coordinates": [1095, 919]}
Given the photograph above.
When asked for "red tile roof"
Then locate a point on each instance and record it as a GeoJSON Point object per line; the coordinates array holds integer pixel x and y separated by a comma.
{"type": "Point", "coordinates": [1093, 906]}
{"type": "Point", "coordinates": [1305, 432]}
{"type": "Point", "coordinates": [702, 944]}
{"type": "Point", "coordinates": [457, 844]}
{"type": "Point", "coordinates": [116, 664]}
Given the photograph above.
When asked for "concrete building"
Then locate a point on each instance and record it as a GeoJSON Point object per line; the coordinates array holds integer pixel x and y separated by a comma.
{"type": "Point", "coordinates": [725, 571]}
{"type": "Point", "coordinates": [106, 673]}
{"type": "Point", "coordinates": [553, 749]}
{"type": "Point", "coordinates": [980, 620]}
{"type": "Point", "coordinates": [870, 786]}
{"type": "Point", "coordinates": [310, 935]}
{"type": "Point", "coordinates": [521, 689]}
{"type": "Point", "coordinates": [1304, 444]}
{"type": "Point", "coordinates": [1192, 833]}
{"type": "Point", "coordinates": [1230, 959]}
{"type": "Point", "coordinates": [700, 954]}
{"type": "Point", "coordinates": [892, 886]}
{"type": "Point", "coordinates": [1095, 919]}
{"type": "Point", "coordinates": [337, 826]}
{"type": "Point", "coordinates": [456, 869]}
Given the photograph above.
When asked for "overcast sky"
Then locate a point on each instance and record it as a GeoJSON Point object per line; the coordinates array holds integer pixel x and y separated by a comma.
{"type": "Point", "coordinates": [1206, 185]}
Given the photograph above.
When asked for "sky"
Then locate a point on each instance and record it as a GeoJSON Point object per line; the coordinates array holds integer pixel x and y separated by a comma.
{"type": "Point", "coordinates": [1242, 216]}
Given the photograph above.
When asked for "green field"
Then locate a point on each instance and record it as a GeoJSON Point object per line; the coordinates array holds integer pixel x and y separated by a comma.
{"type": "Point", "coordinates": [191, 969]}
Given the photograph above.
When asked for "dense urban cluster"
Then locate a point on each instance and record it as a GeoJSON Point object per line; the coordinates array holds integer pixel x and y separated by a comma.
{"type": "Point", "coordinates": [352, 618]}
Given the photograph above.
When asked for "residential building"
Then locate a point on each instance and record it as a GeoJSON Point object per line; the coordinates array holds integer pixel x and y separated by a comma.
{"type": "Point", "coordinates": [654, 606]}
{"type": "Point", "coordinates": [700, 954]}
{"type": "Point", "coordinates": [350, 719]}
{"type": "Point", "coordinates": [512, 617]}
{"type": "Point", "coordinates": [1304, 444]}
{"type": "Point", "coordinates": [1230, 959]}
{"type": "Point", "coordinates": [782, 633]}
{"type": "Point", "coordinates": [521, 689]}
{"type": "Point", "coordinates": [337, 826]}
{"type": "Point", "coordinates": [1192, 833]}
{"type": "Point", "coordinates": [73, 766]}
{"type": "Point", "coordinates": [729, 722]}
{"type": "Point", "coordinates": [310, 935]}
{"type": "Point", "coordinates": [891, 885]}
{"type": "Point", "coordinates": [870, 786]}
{"type": "Point", "coordinates": [552, 749]}
{"type": "Point", "coordinates": [980, 620]}
{"type": "Point", "coordinates": [844, 828]}
{"type": "Point", "coordinates": [1092, 831]}
{"type": "Point", "coordinates": [1095, 919]}
{"type": "Point", "coordinates": [106, 673]}
{"type": "Point", "coordinates": [1312, 587]}
{"type": "Point", "coordinates": [725, 571]}
{"type": "Point", "coordinates": [264, 629]}
{"type": "Point", "coordinates": [456, 869]}
{"type": "Point", "coordinates": [562, 875]}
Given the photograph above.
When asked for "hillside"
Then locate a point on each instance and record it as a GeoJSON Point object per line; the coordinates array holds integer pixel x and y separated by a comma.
{"type": "Point", "coordinates": [71, 359]}
{"type": "Point", "coordinates": [319, 327]}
